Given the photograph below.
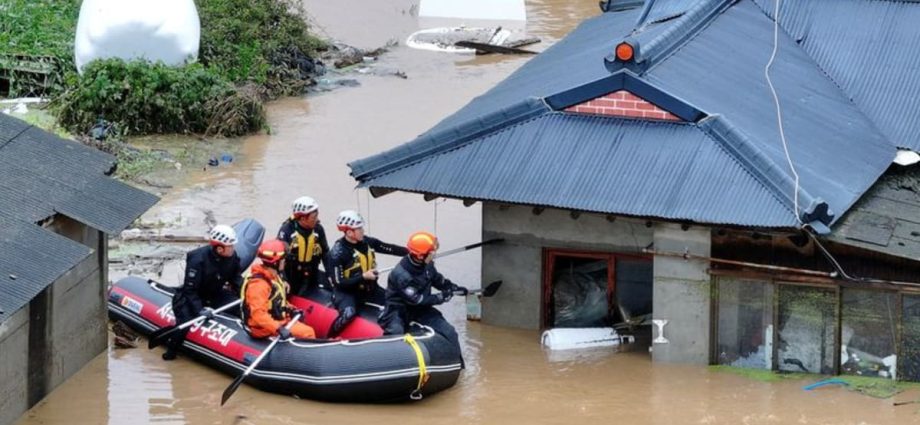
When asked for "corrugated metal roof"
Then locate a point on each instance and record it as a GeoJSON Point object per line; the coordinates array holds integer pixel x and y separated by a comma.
{"type": "Point", "coordinates": [30, 259]}
{"type": "Point", "coordinates": [838, 152]}
{"type": "Point", "coordinates": [41, 175]}
{"type": "Point", "coordinates": [574, 60]}
{"type": "Point", "coordinates": [600, 164]}
{"type": "Point", "coordinates": [662, 10]}
{"type": "Point", "coordinates": [707, 62]}
{"type": "Point", "coordinates": [870, 49]}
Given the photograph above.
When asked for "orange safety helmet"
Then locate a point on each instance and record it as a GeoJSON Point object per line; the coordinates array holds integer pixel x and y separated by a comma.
{"type": "Point", "coordinates": [271, 252]}
{"type": "Point", "coordinates": [422, 243]}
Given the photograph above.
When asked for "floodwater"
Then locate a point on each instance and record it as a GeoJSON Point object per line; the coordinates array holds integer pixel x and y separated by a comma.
{"type": "Point", "coordinates": [509, 378]}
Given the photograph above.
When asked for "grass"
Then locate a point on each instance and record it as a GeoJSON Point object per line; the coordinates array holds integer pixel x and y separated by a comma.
{"type": "Point", "coordinates": [870, 386]}
{"type": "Point", "coordinates": [44, 120]}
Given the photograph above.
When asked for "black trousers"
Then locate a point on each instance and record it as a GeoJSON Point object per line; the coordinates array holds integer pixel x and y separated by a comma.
{"type": "Point", "coordinates": [185, 311]}
{"type": "Point", "coordinates": [303, 280]}
{"type": "Point", "coordinates": [395, 321]}
{"type": "Point", "coordinates": [347, 304]}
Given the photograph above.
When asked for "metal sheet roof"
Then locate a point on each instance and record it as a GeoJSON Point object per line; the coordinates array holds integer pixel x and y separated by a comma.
{"type": "Point", "coordinates": [706, 61]}
{"type": "Point", "coordinates": [31, 258]}
{"type": "Point", "coordinates": [837, 151]}
{"type": "Point", "coordinates": [870, 49]}
{"type": "Point", "coordinates": [42, 175]}
{"type": "Point", "coordinates": [664, 10]}
{"type": "Point", "coordinates": [600, 164]}
{"type": "Point", "coordinates": [569, 63]}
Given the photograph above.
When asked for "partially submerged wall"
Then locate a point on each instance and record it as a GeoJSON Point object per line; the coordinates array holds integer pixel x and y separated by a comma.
{"type": "Point", "coordinates": [62, 328]}
{"type": "Point", "coordinates": [518, 262]}
{"type": "Point", "coordinates": [682, 295]}
{"type": "Point", "coordinates": [14, 366]}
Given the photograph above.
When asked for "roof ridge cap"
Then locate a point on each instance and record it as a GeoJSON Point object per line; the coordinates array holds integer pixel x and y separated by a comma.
{"type": "Point", "coordinates": [770, 174]}
{"type": "Point", "coordinates": [682, 30]}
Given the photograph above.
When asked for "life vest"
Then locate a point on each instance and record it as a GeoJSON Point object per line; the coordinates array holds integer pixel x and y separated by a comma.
{"type": "Point", "coordinates": [362, 262]}
{"type": "Point", "coordinates": [277, 299]}
{"type": "Point", "coordinates": [303, 249]}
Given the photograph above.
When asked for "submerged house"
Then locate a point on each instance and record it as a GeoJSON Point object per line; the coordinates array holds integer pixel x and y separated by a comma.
{"type": "Point", "coordinates": [638, 166]}
{"type": "Point", "coordinates": [58, 203]}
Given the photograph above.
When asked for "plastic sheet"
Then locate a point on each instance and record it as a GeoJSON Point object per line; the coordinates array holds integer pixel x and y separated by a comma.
{"type": "Point", "coordinates": [909, 368]}
{"type": "Point", "coordinates": [869, 333]}
{"type": "Point", "coordinates": [580, 293]}
{"type": "Point", "coordinates": [745, 323]}
{"type": "Point", "coordinates": [156, 30]}
{"type": "Point", "coordinates": [807, 323]}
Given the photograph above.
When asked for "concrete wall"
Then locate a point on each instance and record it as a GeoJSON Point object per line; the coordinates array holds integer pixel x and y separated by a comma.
{"type": "Point", "coordinates": [682, 295]}
{"type": "Point", "coordinates": [14, 366]}
{"type": "Point", "coordinates": [519, 260]}
{"type": "Point", "coordinates": [61, 329]}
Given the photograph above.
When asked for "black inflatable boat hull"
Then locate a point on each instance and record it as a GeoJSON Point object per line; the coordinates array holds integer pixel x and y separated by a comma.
{"type": "Point", "coordinates": [382, 369]}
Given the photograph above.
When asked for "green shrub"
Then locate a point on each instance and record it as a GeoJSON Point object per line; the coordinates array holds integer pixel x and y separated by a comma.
{"type": "Point", "coordinates": [257, 45]}
{"type": "Point", "coordinates": [142, 97]}
{"type": "Point", "coordinates": [37, 35]}
{"type": "Point", "coordinates": [257, 41]}
{"type": "Point", "coordinates": [38, 27]}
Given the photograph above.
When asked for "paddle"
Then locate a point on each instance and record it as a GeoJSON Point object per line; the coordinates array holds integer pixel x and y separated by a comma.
{"type": "Point", "coordinates": [452, 251]}
{"type": "Point", "coordinates": [488, 291]}
{"type": "Point", "coordinates": [162, 335]}
{"type": "Point", "coordinates": [239, 380]}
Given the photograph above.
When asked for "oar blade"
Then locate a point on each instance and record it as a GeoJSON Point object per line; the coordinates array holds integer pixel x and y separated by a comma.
{"type": "Point", "coordinates": [232, 389]}
{"type": "Point", "coordinates": [159, 337]}
{"type": "Point", "coordinates": [491, 288]}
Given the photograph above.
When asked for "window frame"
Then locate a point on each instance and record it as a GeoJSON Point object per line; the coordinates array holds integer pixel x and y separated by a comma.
{"type": "Point", "coordinates": [549, 259]}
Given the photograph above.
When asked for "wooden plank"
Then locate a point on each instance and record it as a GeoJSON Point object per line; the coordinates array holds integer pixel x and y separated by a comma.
{"type": "Point", "coordinates": [868, 227]}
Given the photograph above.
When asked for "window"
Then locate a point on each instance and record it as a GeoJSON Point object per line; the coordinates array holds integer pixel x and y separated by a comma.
{"type": "Point", "coordinates": [869, 332]}
{"type": "Point", "coordinates": [745, 323]}
{"type": "Point", "coordinates": [594, 289]}
{"type": "Point", "coordinates": [909, 363]}
{"type": "Point", "coordinates": [807, 324]}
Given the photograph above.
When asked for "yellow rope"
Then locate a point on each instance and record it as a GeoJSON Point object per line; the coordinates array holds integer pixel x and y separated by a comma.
{"type": "Point", "coordinates": [422, 369]}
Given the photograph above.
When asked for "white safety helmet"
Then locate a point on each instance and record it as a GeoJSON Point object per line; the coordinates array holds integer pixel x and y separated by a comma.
{"type": "Point", "coordinates": [349, 219]}
{"type": "Point", "coordinates": [222, 235]}
{"type": "Point", "coordinates": [304, 205]}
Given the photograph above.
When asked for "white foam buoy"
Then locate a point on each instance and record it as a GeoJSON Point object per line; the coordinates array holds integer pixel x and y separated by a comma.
{"type": "Point", "coordinates": [155, 30]}
{"type": "Point", "coordinates": [575, 338]}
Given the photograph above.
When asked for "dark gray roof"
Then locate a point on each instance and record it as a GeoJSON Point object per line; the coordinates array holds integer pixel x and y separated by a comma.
{"type": "Point", "coordinates": [887, 218]}
{"type": "Point", "coordinates": [42, 175]}
{"type": "Point", "coordinates": [680, 163]}
{"type": "Point", "coordinates": [870, 49]}
{"type": "Point", "coordinates": [703, 61]}
{"type": "Point", "coordinates": [31, 258]}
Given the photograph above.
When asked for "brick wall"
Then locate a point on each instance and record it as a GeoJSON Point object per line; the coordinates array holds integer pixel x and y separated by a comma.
{"type": "Point", "coordinates": [623, 104]}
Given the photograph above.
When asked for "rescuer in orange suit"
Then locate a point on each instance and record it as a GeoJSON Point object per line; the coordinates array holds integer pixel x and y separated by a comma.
{"type": "Point", "coordinates": [265, 308]}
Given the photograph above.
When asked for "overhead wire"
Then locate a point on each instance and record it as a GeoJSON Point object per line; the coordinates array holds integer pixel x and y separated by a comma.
{"type": "Point", "coordinates": [782, 134]}
{"type": "Point", "coordinates": [779, 113]}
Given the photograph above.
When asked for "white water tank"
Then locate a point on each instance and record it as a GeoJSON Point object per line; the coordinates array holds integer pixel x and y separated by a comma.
{"type": "Point", "coordinates": [156, 30]}
{"type": "Point", "coordinates": [574, 338]}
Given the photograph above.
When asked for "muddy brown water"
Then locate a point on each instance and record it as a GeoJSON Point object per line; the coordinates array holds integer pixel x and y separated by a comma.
{"type": "Point", "coordinates": [509, 378]}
